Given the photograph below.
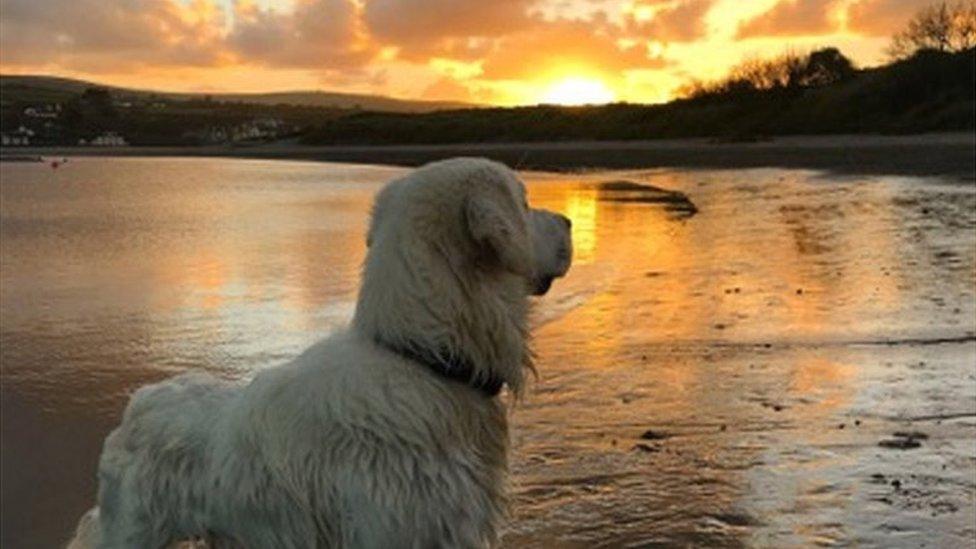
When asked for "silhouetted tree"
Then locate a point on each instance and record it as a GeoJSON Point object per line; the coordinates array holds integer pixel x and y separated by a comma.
{"type": "Point", "coordinates": [789, 71]}
{"type": "Point", "coordinates": [943, 27]}
{"type": "Point", "coordinates": [825, 67]}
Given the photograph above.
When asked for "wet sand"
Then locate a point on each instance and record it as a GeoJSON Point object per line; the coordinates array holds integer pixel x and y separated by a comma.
{"type": "Point", "coordinates": [746, 374]}
{"type": "Point", "coordinates": [945, 154]}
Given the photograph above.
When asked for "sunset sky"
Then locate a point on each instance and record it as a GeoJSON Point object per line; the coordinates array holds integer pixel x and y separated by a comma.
{"type": "Point", "coordinates": [503, 52]}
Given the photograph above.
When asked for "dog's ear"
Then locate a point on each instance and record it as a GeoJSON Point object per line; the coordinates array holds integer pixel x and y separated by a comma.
{"type": "Point", "coordinates": [500, 233]}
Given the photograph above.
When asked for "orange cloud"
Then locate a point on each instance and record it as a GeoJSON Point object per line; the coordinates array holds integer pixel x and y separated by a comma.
{"type": "Point", "coordinates": [881, 17]}
{"type": "Point", "coordinates": [447, 89]}
{"type": "Point", "coordinates": [795, 17]}
{"type": "Point", "coordinates": [459, 29]}
{"type": "Point", "coordinates": [565, 46]}
{"type": "Point", "coordinates": [669, 20]}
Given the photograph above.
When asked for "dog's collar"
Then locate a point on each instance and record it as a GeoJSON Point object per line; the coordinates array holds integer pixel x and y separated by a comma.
{"type": "Point", "coordinates": [451, 367]}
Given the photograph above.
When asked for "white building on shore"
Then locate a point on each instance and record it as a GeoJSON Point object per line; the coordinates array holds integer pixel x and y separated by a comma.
{"type": "Point", "coordinates": [107, 139]}
{"type": "Point", "coordinates": [21, 137]}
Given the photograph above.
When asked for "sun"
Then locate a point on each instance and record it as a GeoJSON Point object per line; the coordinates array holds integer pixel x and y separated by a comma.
{"type": "Point", "coordinates": [578, 91]}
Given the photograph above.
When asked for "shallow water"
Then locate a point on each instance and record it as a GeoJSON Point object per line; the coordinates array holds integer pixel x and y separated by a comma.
{"type": "Point", "coordinates": [771, 341]}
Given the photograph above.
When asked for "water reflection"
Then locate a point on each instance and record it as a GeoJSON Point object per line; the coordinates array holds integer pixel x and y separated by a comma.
{"type": "Point", "coordinates": [731, 333]}
{"type": "Point", "coordinates": [580, 207]}
{"type": "Point", "coordinates": [738, 333]}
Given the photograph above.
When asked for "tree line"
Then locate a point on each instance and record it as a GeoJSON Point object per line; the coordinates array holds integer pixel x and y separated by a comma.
{"type": "Point", "coordinates": [943, 27]}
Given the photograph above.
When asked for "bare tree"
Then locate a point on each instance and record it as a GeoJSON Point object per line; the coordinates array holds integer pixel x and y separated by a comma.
{"type": "Point", "coordinates": [965, 25]}
{"type": "Point", "coordinates": [943, 27]}
{"type": "Point", "coordinates": [787, 71]}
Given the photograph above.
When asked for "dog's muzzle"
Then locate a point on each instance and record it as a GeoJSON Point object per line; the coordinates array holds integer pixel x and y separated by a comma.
{"type": "Point", "coordinates": [552, 245]}
{"type": "Point", "coordinates": [541, 285]}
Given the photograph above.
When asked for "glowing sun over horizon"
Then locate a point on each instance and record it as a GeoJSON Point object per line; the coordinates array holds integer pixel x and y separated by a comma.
{"type": "Point", "coordinates": [578, 91]}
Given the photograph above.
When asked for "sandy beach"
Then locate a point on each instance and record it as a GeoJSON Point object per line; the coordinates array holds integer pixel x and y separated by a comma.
{"type": "Point", "coordinates": [947, 154]}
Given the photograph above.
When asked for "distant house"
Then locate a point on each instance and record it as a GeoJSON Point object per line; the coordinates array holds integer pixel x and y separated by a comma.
{"type": "Point", "coordinates": [263, 128]}
{"type": "Point", "coordinates": [21, 137]}
{"type": "Point", "coordinates": [49, 111]}
{"type": "Point", "coordinates": [107, 139]}
{"type": "Point", "coordinates": [257, 129]}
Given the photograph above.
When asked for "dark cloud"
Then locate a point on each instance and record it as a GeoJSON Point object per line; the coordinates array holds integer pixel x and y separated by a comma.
{"type": "Point", "coordinates": [323, 34]}
{"type": "Point", "coordinates": [95, 34]}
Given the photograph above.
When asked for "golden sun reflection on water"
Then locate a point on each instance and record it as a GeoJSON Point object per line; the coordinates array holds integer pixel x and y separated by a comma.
{"type": "Point", "coordinates": [738, 319]}
{"type": "Point", "coordinates": [581, 208]}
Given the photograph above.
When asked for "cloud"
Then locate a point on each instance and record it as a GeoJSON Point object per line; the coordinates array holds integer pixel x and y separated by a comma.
{"type": "Point", "coordinates": [794, 17]}
{"type": "Point", "coordinates": [447, 89]}
{"type": "Point", "coordinates": [96, 34]}
{"type": "Point", "coordinates": [669, 20]}
{"type": "Point", "coordinates": [315, 34]}
{"type": "Point", "coordinates": [565, 45]}
{"type": "Point", "coordinates": [881, 17]}
{"type": "Point", "coordinates": [460, 29]}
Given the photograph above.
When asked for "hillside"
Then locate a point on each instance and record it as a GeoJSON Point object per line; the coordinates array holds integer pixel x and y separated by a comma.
{"type": "Point", "coordinates": [932, 91]}
{"type": "Point", "coordinates": [48, 89]}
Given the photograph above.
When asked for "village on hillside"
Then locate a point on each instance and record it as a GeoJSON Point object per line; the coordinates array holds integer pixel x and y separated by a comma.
{"type": "Point", "coordinates": [95, 118]}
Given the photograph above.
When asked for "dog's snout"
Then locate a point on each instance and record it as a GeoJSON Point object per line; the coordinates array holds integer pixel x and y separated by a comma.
{"type": "Point", "coordinates": [566, 221]}
{"type": "Point", "coordinates": [563, 254]}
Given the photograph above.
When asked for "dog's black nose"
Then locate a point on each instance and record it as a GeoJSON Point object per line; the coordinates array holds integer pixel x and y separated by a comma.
{"type": "Point", "coordinates": [568, 222]}
{"type": "Point", "coordinates": [541, 285]}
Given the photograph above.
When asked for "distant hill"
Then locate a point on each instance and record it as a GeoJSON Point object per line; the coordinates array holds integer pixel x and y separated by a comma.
{"type": "Point", "coordinates": [50, 89]}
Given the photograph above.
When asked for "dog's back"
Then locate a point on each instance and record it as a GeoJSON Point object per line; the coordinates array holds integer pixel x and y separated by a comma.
{"type": "Point", "coordinates": [351, 446]}
{"type": "Point", "coordinates": [153, 465]}
{"type": "Point", "coordinates": [346, 446]}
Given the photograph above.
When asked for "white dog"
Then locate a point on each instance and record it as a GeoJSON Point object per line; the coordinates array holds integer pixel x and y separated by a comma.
{"type": "Point", "coordinates": [384, 435]}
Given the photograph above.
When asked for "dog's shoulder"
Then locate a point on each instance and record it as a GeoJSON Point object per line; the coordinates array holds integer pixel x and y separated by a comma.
{"type": "Point", "coordinates": [347, 384]}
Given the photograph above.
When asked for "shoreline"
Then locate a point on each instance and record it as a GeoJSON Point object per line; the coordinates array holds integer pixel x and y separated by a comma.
{"type": "Point", "coordinates": [937, 154]}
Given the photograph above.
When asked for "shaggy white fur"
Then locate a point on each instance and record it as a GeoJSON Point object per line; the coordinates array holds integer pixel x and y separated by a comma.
{"type": "Point", "coordinates": [353, 443]}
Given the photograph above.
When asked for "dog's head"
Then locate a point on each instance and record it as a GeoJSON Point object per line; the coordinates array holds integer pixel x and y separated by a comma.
{"type": "Point", "coordinates": [532, 243]}
{"type": "Point", "coordinates": [454, 249]}
{"type": "Point", "coordinates": [447, 202]}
